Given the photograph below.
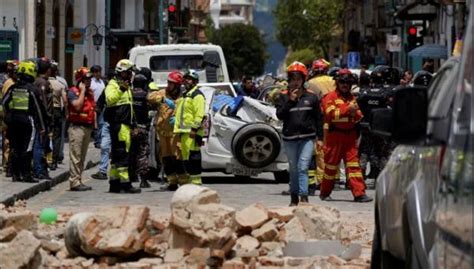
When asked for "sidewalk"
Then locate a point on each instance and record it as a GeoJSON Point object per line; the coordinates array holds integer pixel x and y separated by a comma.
{"type": "Point", "coordinates": [12, 191]}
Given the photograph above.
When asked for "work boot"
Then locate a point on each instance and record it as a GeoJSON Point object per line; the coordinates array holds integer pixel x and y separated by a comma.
{"type": "Point", "coordinates": [114, 186]}
{"type": "Point", "coordinates": [294, 200]}
{"type": "Point", "coordinates": [325, 198]}
{"type": "Point", "coordinates": [16, 178]}
{"type": "Point", "coordinates": [53, 166]}
{"type": "Point", "coordinates": [304, 199]}
{"type": "Point", "coordinates": [312, 189]}
{"type": "Point", "coordinates": [126, 187]}
{"type": "Point", "coordinates": [143, 182]}
{"type": "Point", "coordinates": [99, 175]}
{"type": "Point", "coordinates": [363, 199]}
{"type": "Point", "coordinates": [81, 187]}
{"type": "Point", "coordinates": [169, 187]}
{"type": "Point", "coordinates": [285, 192]}
{"type": "Point", "coordinates": [28, 178]}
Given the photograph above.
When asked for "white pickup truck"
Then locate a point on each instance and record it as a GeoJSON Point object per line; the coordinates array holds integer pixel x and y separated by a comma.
{"type": "Point", "coordinates": [208, 60]}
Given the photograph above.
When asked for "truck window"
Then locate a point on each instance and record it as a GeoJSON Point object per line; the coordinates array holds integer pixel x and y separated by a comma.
{"type": "Point", "coordinates": [175, 62]}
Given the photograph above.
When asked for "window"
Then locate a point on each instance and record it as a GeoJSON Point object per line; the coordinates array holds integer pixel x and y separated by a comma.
{"type": "Point", "coordinates": [176, 62]}
{"type": "Point", "coordinates": [116, 14]}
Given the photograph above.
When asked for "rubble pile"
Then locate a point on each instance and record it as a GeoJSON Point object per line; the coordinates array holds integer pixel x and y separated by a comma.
{"type": "Point", "coordinates": [200, 233]}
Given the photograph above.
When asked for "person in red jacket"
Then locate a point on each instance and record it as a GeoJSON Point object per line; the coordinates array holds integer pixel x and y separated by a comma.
{"type": "Point", "coordinates": [341, 114]}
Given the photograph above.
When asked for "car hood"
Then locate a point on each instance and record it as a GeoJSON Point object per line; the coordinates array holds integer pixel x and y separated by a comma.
{"type": "Point", "coordinates": [256, 111]}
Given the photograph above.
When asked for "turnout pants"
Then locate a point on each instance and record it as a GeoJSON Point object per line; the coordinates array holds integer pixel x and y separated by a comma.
{"type": "Point", "coordinates": [191, 157]}
{"type": "Point", "coordinates": [139, 151]}
{"type": "Point", "coordinates": [342, 145]}
{"type": "Point", "coordinates": [19, 134]}
{"type": "Point", "coordinates": [6, 164]}
{"type": "Point", "coordinates": [174, 168]}
{"type": "Point", "coordinates": [121, 141]}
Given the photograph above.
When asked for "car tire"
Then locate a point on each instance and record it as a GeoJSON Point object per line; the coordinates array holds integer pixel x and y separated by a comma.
{"type": "Point", "coordinates": [281, 176]}
{"type": "Point", "coordinates": [256, 145]}
{"type": "Point", "coordinates": [381, 258]}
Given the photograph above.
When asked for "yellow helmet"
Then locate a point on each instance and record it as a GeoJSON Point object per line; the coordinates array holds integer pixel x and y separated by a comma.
{"type": "Point", "coordinates": [27, 68]}
{"type": "Point", "coordinates": [124, 65]}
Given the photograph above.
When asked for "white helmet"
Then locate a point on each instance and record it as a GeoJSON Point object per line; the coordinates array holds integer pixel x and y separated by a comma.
{"type": "Point", "coordinates": [124, 65]}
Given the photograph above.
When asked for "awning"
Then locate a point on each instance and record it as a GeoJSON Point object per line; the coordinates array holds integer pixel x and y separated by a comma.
{"type": "Point", "coordinates": [418, 11]}
{"type": "Point", "coordinates": [433, 51]}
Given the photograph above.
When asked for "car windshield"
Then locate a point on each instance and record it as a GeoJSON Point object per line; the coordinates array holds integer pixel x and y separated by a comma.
{"type": "Point", "coordinates": [176, 62]}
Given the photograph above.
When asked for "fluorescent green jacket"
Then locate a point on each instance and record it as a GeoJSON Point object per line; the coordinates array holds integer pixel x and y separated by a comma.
{"type": "Point", "coordinates": [119, 104]}
{"type": "Point", "coordinates": [190, 112]}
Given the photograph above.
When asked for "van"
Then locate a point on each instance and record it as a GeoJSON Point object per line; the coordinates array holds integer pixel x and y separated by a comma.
{"type": "Point", "coordinates": [207, 59]}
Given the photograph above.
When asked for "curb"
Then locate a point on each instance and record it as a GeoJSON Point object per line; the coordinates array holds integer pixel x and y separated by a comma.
{"type": "Point", "coordinates": [43, 185]}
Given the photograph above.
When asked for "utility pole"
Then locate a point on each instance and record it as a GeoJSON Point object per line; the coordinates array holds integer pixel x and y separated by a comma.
{"type": "Point", "coordinates": [160, 16]}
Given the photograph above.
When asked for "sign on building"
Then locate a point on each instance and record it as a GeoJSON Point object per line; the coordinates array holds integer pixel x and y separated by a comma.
{"type": "Point", "coordinates": [353, 59]}
{"type": "Point", "coordinates": [394, 43]}
{"type": "Point", "coordinates": [5, 46]}
{"type": "Point", "coordinates": [75, 36]}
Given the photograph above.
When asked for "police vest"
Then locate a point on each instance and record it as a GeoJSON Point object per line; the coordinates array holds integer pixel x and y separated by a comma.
{"type": "Point", "coordinates": [87, 113]}
{"type": "Point", "coordinates": [20, 100]}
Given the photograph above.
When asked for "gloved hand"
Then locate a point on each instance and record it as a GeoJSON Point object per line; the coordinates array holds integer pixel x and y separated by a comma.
{"type": "Point", "coordinates": [172, 120]}
{"type": "Point", "coordinates": [170, 103]}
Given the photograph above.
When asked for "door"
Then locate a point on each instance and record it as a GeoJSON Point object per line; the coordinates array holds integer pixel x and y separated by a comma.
{"type": "Point", "coordinates": [8, 45]}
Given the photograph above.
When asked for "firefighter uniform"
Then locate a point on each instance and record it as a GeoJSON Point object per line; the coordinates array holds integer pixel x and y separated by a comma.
{"type": "Point", "coordinates": [22, 112]}
{"type": "Point", "coordinates": [341, 143]}
{"type": "Point", "coordinates": [6, 164]}
{"type": "Point", "coordinates": [119, 113]}
{"type": "Point", "coordinates": [189, 116]}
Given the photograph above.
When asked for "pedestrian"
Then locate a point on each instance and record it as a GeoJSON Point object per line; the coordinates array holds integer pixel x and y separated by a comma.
{"type": "Point", "coordinates": [407, 78]}
{"type": "Point", "coordinates": [22, 111]}
{"type": "Point", "coordinates": [189, 117]}
{"type": "Point", "coordinates": [82, 118]}
{"type": "Point", "coordinates": [300, 112]}
{"type": "Point", "coordinates": [118, 113]}
{"type": "Point", "coordinates": [58, 114]}
{"type": "Point", "coordinates": [247, 88]}
{"type": "Point", "coordinates": [165, 103]}
{"type": "Point", "coordinates": [140, 148]}
{"type": "Point", "coordinates": [341, 114]}
{"type": "Point", "coordinates": [97, 86]}
{"type": "Point", "coordinates": [41, 141]}
{"type": "Point", "coordinates": [11, 79]}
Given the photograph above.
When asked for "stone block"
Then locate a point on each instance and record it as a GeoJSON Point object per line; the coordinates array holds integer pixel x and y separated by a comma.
{"type": "Point", "coordinates": [21, 252]}
{"type": "Point", "coordinates": [267, 232]}
{"type": "Point", "coordinates": [284, 214]}
{"type": "Point", "coordinates": [174, 255]}
{"type": "Point", "coordinates": [251, 217]}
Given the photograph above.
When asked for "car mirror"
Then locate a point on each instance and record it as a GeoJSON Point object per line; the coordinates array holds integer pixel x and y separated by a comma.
{"type": "Point", "coordinates": [410, 115]}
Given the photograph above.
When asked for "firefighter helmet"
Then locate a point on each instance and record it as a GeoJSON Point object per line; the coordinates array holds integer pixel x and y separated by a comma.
{"type": "Point", "coordinates": [175, 77]}
{"type": "Point", "coordinates": [124, 65]}
{"type": "Point", "coordinates": [297, 67]}
{"type": "Point", "coordinates": [422, 78]}
{"type": "Point", "coordinates": [192, 74]}
{"type": "Point", "coordinates": [27, 68]}
{"type": "Point", "coordinates": [82, 73]}
{"type": "Point", "coordinates": [344, 75]}
{"type": "Point", "coordinates": [320, 65]}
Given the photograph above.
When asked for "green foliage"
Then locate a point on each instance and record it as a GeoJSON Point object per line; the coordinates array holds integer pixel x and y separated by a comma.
{"type": "Point", "coordinates": [307, 23]}
{"type": "Point", "coordinates": [306, 56]}
{"type": "Point", "coordinates": [244, 49]}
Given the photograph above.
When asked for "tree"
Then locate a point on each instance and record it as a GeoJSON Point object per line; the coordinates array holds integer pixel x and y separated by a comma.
{"type": "Point", "coordinates": [305, 56]}
{"type": "Point", "coordinates": [307, 23]}
{"type": "Point", "coordinates": [244, 49]}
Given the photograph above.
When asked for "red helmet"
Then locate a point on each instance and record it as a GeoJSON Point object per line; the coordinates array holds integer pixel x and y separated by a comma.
{"type": "Point", "coordinates": [297, 67]}
{"type": "Point", "coordinates": [345, 75]}
{"type": "Point", "coordinates": [82, 73]}
{"type": "Point", "coordinates": [176, 77]}
{"type": "Point", "coordinates": [321, 65]}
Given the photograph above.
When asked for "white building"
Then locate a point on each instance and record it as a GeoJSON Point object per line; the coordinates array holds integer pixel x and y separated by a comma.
{"type": "Point", "coordinates": [224, 12]}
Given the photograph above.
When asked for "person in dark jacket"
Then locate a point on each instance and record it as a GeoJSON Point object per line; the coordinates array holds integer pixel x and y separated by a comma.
{"type": "Point", "coordinates": [301, 114]}
{"type": "Point", "coordinates": [247, 88]}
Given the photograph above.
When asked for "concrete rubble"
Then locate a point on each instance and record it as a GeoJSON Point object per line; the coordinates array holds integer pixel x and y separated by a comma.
{"type": "Point", "coordinates": [200, 233]}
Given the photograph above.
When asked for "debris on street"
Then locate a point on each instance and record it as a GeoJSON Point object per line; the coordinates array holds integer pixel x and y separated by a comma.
{"type": "Point", "coordinates": [200, 232]}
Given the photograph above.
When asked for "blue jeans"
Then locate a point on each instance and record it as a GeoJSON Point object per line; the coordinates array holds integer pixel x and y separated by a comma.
{"type": "Point", "coordinates": [105, 146]}
{"type": "Point", "coordinates": [39, 150]}
{"type": "Point", "coordinates": [299, 153]}
{"type": "Point", "coordinates": [98, 132]}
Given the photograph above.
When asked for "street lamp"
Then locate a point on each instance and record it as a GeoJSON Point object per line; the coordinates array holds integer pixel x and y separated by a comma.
{"type": "Point", "coordinates": [97, 38]}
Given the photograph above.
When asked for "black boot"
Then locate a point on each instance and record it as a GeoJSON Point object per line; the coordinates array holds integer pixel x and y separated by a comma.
{"type": "Point", "coordinates": [143, 182]}
{"type": "Point", "coordinates": [114, 186]}
{"type": "Point", "coordinates": [126, 187]}
{"type": "Point", "coordinates": [26, 171]}
{"type": "Point", "coordinates": [312, 189]}
{"type": "Point", "coordinates": [304, 199]}
{"type": "Point", "coordinates": [294, 200]}
{"type": "Point", "coordinates": [53, 166]}
{"type": "Point", "coordinates": [16, 178]}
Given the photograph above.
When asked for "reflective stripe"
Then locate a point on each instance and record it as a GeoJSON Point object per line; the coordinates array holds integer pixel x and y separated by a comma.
{"type": "Point", "coordinates": [330, 108]}
{"type": "Point", "coordinates": [337, 113]}
{"type": "Point", "coordinates": [183, 127]}
{"type": "Point", "coordinates": [19, 101]}
{"type": "Point", "coordinates": [311, 173]}
{"type": "Point", "coordinates": [357, 174]}
{"type": "Point", "coordinates": [331, 167]}
{"type": "Point", "coordinates": [326, 126]}
{"type": "Point", "coordinates": [352, 164]}
{"type": "Point", "coordinates": [299, 136]}
{"type": "Point", "coordinates": [327, 177]}
{"type": "Point", "coordinates": [300, 108]}
{"type": "Point", "coordinates": [338, 102]}
{"type": "Point", "coordinates": [122, 173]}
{"type": "Point", "coordinates": [344, 119]}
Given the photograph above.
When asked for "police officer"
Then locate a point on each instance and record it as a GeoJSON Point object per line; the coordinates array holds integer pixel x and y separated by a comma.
{"type": "Point", "coordinates": [188, 125]}
{"type": "Point", "coordinates": [140, 148]}
{"type": "Point", "coordinates": [22, 111]}
{"type": "Point", "coordinates": [165, 102]}
{"type": "Point", "coordinates": [119, 113]}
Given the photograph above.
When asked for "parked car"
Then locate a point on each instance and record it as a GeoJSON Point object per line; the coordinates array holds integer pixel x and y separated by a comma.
{"type": "Point", "coordinates": [424, 195]}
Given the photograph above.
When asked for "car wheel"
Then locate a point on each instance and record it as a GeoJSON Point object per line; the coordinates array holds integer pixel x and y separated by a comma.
{"type": "Point", "coordinates": [282, 176]}
{"type": "Point", "coordinates": [381, 258]}
{"type": "Point", "coordinates": [256, 145]}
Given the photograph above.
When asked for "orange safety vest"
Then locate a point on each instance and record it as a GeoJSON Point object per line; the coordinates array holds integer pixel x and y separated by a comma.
{"type": "Point", "coordinates": [87, 113]}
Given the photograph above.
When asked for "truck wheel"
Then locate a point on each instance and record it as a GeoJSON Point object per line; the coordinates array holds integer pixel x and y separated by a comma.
{"type": "Point", "coordinates": [256, 145]}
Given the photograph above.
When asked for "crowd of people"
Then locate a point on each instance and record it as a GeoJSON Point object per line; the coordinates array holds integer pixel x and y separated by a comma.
{"type": "Point", "coordinates": [317, 105]}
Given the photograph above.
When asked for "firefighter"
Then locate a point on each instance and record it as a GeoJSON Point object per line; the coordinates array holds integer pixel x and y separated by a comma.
{"type": "Point", "coordinates": [341, 115]}
{"type": "Point", "coordinates": [22, 112]}
{"type": "Point", "coordinates": [165, 102]}
{"type": "Point", "coordinates": [189, 117]}
{"type": "Point", "coordinates": [140, 149]}
{"type": "Point", "coordinates": [299, 109]}
{"type": "Point", "coordinates": [119, 113]}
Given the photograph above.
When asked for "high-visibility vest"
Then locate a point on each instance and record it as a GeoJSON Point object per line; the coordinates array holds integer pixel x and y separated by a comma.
{"type": "Point", "coordinates": [190, 112]}
{"type": "Point", "coordinates": [20, 100]}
